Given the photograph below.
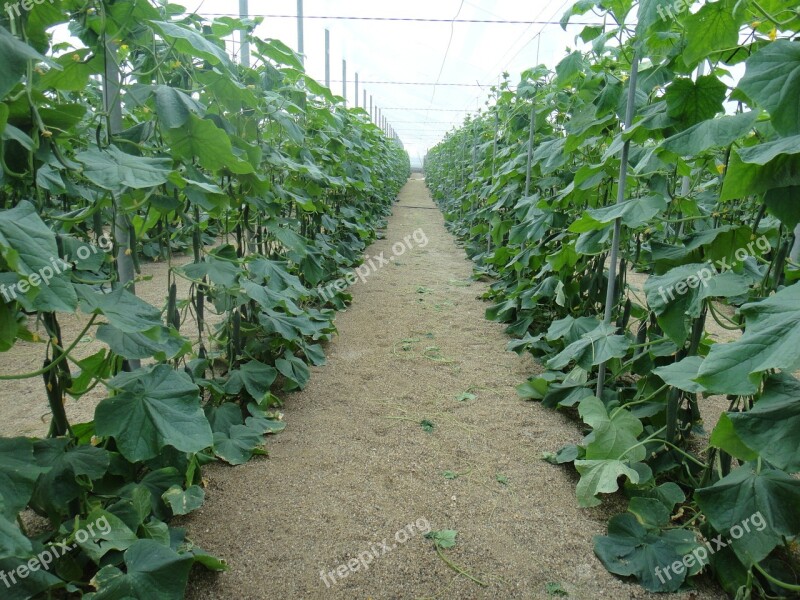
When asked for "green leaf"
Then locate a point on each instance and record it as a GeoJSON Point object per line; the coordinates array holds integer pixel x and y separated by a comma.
{"type": "Point", "coordinates": [238, 445]}
{"type": "Point", "coordinates": [152, 570]}
{"type": "Point", "coordinates": [771, 341]}
{"type": "Point", "coordinates": [725, 438]}
{"type": "Point", "coordinates": [772, 426]}
{"type": "Point", "coordinates": [18, 475]}
{"type": "Point", "coordinates": [711, 29]}
{"type": "Point", "coordinates": [295, 371]}
{"type": "Point", "coordinates": [762, 505]}
{"type": "Point", "coordinates": [153, 408]}
{"type": "Point", "coordinates": [445, 538]}
{"type": "Point", "coordinates": [174, 107]}
{"type": "Point", "coordinates": [772, 80]}
{"type": "Point", "coordinates": [201, 138]}
{"type": "Point", "coordinates": [764, 153]}
{"type": "Point", "coordinates": [190, 41]}
{"type": "Point", "coordinates": [600, 477]}
{"type": "Point", "coordinates": [181, 501]}
{"type": "Point", "coordinates": [598, 346]}
{"type": "Point", "coordinates": [691, 102]}
{"type": "Point", "coordinates": [71, 471]}
{"type": "Point", "coordinates": [14, 58]}
{"type": "Point", "coordinates": [256, 377]}
{"type": "Point", "coordinates": [160, 343]}
{"type": "Point", "coordinates": [114, 536]}
{"type": "Point", "coordinates": [612, 435]}
{"type": "Point", "coordinates": [631, 550]}
{"type": "Point", "coordinates": [711, 133]}
{"type": "Point", "coordinates": [634, 213]}
{"type": "Point", "coordinates": [116, 171]}
{"type": "Point", "coordinates": [744, 179]}
{"type": "Point", "coordinates": [125, 311]}
{"type": "Point", "coordinates": [29, 247]}
{"type": "Point", "coordinates": [681, 374]}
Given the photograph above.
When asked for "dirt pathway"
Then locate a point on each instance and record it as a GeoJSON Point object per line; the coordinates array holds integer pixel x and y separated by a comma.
{"type": "Point", "coordinates": [356, 465]}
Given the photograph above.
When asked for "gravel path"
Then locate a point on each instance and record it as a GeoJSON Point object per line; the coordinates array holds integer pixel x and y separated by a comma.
{"type": "Point", "coordinates": [356, 466]}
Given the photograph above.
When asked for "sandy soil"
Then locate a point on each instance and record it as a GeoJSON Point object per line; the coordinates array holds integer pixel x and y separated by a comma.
{"type": "Point", "coordinates": [355, 465]}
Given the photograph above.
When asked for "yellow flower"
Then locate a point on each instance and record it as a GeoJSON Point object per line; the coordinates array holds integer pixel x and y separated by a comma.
{"type": "Point", "coordinates": [773, 34]}
{"type": "Point", "coordinates": [128, 252]}
{"type": "Point", "coordinates": [720, 169]}
{"type": "Point", "coordinates": [76, 57]}
{"type": "Point", "coordinates": [47, 133]}
{"type": "Point", "coordinates": [755, 24]}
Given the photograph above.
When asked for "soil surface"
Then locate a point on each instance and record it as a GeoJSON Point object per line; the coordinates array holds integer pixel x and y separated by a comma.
{"type": "Point", "coordinates": [413, 424]}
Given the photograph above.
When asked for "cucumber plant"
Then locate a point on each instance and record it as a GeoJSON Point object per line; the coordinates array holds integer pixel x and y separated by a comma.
{"type": "Point", "coordinates": [261, 176]}
{"type": "Point", "coordinates": [563, 205]}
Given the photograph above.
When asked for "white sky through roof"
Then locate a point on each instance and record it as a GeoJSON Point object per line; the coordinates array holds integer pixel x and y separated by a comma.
{"type": "Point", "coordinates": [415, 51]}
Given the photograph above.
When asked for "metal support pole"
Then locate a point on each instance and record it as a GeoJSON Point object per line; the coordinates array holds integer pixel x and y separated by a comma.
{"type": "Point", "coordinates": [344, 81]}
{"type": "Point", "coordinates": [531, 132]}
{"type": "Point", "coordinates": [244, 44]}
{"type": "Point", "coordinates": [300, 42]}
{"type": "Point", "coordinates": [611, 290]}
{"type": "Point", "coordinates": [365, 100]}
{"type": "Point", "coordinates": [371, 109]}
{"type": "Point", "coordinates": [327, 59]}
{"type": "Point", "coordinates": [356, 97]}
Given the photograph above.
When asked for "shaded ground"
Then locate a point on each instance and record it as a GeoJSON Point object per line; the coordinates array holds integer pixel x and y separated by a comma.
{"type": "Point", "coordinates": [356, 465]}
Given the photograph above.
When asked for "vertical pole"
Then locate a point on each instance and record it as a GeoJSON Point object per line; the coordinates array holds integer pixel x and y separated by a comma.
{"type": "Point", "coordinates": [611, 290]}
{"type": "Point", "coordinates": [365, 100]}
{"type": "Point", "coordinates": [371, 111]}
{"type": "Point", "coordinates": [531, 131]}
{"type": "Point", "coordinates": [344, 81]}
{"type": "Point", "coordinates": [300, 42]}
{"type": "Point", "coordinates": [126, 272]}
{"type": "Point", "coordinates": [327, 59]}
{"type": "Point", "coordinates": [244, 44]}
{"type": "Point", "coordinates": [356, 96]}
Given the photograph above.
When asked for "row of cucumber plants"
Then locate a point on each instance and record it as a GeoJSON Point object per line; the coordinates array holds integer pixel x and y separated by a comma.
{"type": "Point", "coordinates": [670, 148]}
{"type": "Point", "coordinates": [128, 134]}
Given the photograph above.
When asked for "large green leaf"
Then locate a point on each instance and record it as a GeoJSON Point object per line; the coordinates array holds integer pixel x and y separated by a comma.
{"type": "Point", "coordinates": [152, 571]}
{"type": "Point", "coordinates": [595, 347]}
{"type": "Point", "coordinates": [612, 435]}
{"type": "Point", "coordinates": [600, 477]}
{"type": "Point", "coordinates": [764, 153]}
{"type": "Point", "coordinates": [115, 171]}
{"type": "Point", "coordinates": [710, 29]}
{"type": "Point", "coordinates": [634, 213]}
{"type": "Point", "coordinates": [18, 475]}
{"type": "Point", "coordinates": [29, 247]}
{"type": "Point", "coordinates": [770, 496]}
{"type": "Point", "coordinates": [771, 341]}
{"type": "Point", "coordinates": [14, 58]}
{"type": "Point", "coordinates": [254, 376]}
{"type": "Point", "coordinates": [190, 41]}
{"type": "Point", "coordinates": [201, 138]}
{"type": "Point", "coordinates": [691, 102]}
{"type": "Point", "coordinates": [772, 425]}
{"type": "Point", "coordinates": [153, 408]}
{"type": "Point", "coordinates": [711, 133]}
{"type": "Point", "coordinates": [125, 311]}
{"type": "Point", "coordinates": [630, 549]}
{"type": "Point", "coordinates": [772, 80]}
